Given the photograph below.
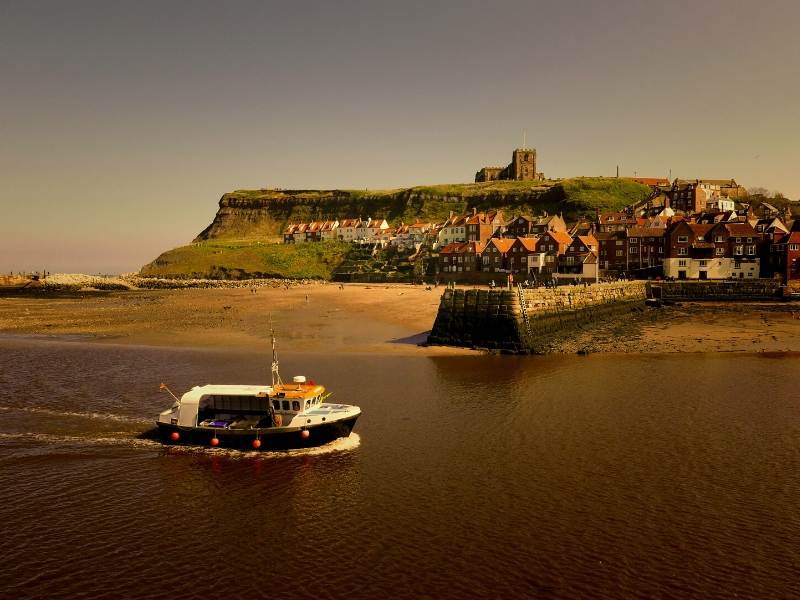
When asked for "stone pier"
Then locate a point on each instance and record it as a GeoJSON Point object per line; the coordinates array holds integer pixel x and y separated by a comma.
{"type": "Point", "coordinates": [523, 321]}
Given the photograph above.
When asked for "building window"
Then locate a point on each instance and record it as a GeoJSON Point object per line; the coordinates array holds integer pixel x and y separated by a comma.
{"type": "Point", "coordinates": [719, 239]}
{"type": "Point", "coordinates": [619, 242]}
{"type": "Point", "coordinates": [683, 239]}
{"type": "Point", "coordinates": [682, 252]}
{"type": "Point", "coordinates": [739, 250]}
{"type": "Point", "coordinates": [633, 250]}
{"type": "Point", "coordinates": [794, 246]}
{"type": "Point", "coordinates": [619, 252]}
{"type": "Point", "coordinates": [703, 263]}
{"type": "Point", "coordinates": [719, 251]}
{"type": "Point", "coordinates": [751, 250]}
{"type": "Point", "coordinates": [738, 240]}
{"type": "Point", "coordinates": [634, 240]}
{"type": "Point", "coordinates": [681, 263]}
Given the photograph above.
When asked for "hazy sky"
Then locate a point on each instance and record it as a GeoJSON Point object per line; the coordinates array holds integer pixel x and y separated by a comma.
{"type": "Point", "coordinates": [122, 123]}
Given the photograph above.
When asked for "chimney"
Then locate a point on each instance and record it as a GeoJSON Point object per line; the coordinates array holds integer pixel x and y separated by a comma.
{"type": "Point", "coordinates": [451, 215]}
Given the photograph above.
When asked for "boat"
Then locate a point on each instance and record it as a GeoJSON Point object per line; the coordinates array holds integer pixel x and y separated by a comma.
{"type": "Point", "coordinates": [280, 416]}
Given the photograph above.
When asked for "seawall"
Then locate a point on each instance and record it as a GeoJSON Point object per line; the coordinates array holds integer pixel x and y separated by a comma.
{"type": "Point", "coordinates": [525, 321]}
{"type": "Point", "coordinates": [758, 289]}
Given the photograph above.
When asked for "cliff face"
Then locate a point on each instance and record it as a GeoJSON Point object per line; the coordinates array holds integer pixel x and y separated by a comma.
{"type": "Point", "coordinates": [247, 214]}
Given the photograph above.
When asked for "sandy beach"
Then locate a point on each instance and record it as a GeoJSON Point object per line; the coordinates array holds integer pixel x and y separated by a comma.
{"type": "Point", "coordinates": [375, 318]}
{"type": "Point", "coordinates": [313, 317]}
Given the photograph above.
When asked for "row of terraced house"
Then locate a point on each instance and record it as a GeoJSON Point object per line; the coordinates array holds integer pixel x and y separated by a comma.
{"type": "Point", "coordinates": [727, 245]}
{"type": "Point", "coordinates": [478, 246]}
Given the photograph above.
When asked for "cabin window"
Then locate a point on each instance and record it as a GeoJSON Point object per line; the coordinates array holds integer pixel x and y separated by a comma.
{"type": "Point", "coordinates": [295, 405]}
{"type": "Point", "coordinates": [276, 404]}
{"type": "Point", "coordinates": [285, 405]}
{"type": "Point", "coordinates": [308, 404]}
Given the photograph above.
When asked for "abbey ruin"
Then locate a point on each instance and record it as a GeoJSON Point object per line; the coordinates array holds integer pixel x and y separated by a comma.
{"type": "Point", "coordinates": [522, 168]}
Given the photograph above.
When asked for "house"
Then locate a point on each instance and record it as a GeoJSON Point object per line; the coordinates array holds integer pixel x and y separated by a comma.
{"type": "Point", "coordinates": [687, 252]}
{"type": "Point", "coordinates": [693, 196]}
{"type": "Point", "coordinates": [551, 246]}
{"type": "Point", "coordinates": [645, 247]}
{"type": "Point", "coordinates": [653, 182]}
{"type": "Point", "coordinates": [347, 229]}
{"type": "Point", "coordinates": [720, 251]}
{"type": "Point", "coordinates": [615, 221]}
{"type": "Point", "coordinates": [521, 226]}
{"type": "Point", "coordinates": [580, 257]}
{"type": "Point", "coordinates": [288, 233]}
{"type": "Point", "coordinates": [494, 257]}
{"type": "Point", "coordinates": [547, 223]}
{"type": "Point", "coordinates": [328, 230]}
{"type": "Point", "coordinates": [460, 260]}
{"type": "Point", "coordinates": [613, 256]}
{"type": "Point", "coordinates": [453, 230]}
{"type": "Point", "coordinates": [370, 230]}
{"type": "Point", "coordinates": [721, 204]}
{"type": "Point", "coordinates": [520, 254]}
{"type": "Point", "coordinates": [784, 258]}
{"type": "Point", "coordinates": [481, 226]}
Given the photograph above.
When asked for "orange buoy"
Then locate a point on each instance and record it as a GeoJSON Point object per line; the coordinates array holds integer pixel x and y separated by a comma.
{"type": "Point", "coordinates": [305, 434]}
{"type": "Point", "coordinates": [256, 444]}
{"type": "Point", "coordinates": [214, 441]}
{"type": "Point", "coordinates": [174, 436]}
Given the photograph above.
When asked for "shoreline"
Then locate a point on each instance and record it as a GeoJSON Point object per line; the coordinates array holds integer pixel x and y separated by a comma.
{"type": "Point", "coordinates": [390, 319]}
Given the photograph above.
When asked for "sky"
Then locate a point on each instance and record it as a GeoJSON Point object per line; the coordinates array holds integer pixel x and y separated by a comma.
{"type": "Point", "coordinates": [122, 123]}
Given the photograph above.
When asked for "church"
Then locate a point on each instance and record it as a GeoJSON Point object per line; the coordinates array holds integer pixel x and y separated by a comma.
{"type": "Point", "coordinates": [522, 168]}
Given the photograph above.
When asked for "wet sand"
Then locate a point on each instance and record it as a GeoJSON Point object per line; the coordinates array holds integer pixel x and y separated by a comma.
{"type": "Point", "coordinates": [694, 327]}
{"type": "Point", "coordinates": [375, 318]}
{"type": "Point", "coordinates": [315, 317]}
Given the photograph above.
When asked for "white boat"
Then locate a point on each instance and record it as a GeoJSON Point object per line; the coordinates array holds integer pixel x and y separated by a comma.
{"type": "Point", "coordinates": [256, 417]}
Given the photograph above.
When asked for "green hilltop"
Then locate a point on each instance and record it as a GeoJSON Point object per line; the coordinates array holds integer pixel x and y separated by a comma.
{"type": "Point", "coordinates": [242, 240]}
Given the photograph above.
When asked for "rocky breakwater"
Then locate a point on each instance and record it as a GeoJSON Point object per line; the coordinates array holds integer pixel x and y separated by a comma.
{"type": "Point", "coordinates": [526, 321]}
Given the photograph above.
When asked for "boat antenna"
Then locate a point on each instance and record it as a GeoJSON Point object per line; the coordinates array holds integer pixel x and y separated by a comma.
{"type": "Point", "coordinates": [164, 386]}
{"type": "Point", "coordinates": [276, 375]}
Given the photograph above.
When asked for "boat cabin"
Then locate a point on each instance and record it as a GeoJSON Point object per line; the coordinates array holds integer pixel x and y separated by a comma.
{"type": "Point", "coordinates": [244, 406]}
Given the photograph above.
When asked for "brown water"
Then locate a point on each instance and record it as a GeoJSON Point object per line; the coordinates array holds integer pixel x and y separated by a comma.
{"type": "Point", "coordinates": [599, 476]}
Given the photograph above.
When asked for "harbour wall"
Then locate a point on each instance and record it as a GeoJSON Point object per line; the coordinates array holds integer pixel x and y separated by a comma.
{"type": "Point", "coordinates": [524, 321]}
{"type": "Point", "coordinates": [756, 289]}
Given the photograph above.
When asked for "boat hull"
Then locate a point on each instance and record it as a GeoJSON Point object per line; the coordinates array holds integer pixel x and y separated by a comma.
{"type": "Point", "coordinates": [273, 438]}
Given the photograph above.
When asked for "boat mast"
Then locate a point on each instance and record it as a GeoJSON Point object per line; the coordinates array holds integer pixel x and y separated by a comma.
{"type": "Point", "coordinates": [276, 375]}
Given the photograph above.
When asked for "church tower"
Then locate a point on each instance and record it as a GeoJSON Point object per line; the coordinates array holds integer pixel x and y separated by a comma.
{"type": "Point", "coordinates": [523, 164]}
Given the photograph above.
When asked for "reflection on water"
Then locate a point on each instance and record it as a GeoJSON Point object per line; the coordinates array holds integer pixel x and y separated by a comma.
{"type": "Point", "coordinates": [602, 476]}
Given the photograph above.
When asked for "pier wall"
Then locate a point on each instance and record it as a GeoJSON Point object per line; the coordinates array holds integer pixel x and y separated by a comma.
{"type": "Point", "coordinates": [758, 289]}
{"type": "Point", "coordinates": [498, 319]}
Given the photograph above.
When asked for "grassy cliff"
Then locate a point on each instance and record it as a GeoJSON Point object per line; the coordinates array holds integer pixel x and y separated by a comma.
{"type": "Point", "coordinates": [240, 241]}
{"type": "Point", "coordinates": [248, 214]}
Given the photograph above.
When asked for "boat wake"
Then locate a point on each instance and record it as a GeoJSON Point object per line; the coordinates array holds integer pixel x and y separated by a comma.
{"type": "Point", "coordinates": [76, 414]}
{"type": "Point", "coordinates": [109, 439]}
